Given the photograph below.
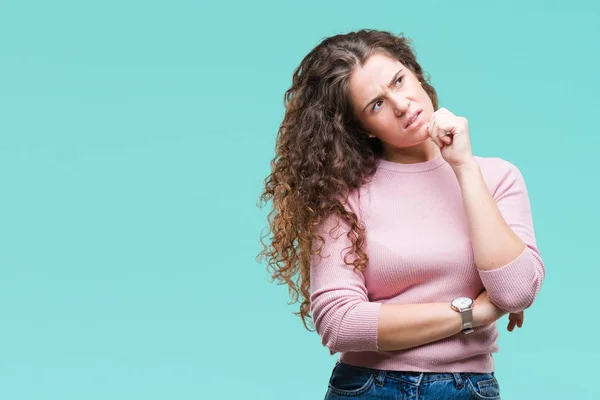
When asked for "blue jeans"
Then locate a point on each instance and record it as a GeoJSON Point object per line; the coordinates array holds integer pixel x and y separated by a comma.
{"type": "Point", "coordinates": [349, 381]}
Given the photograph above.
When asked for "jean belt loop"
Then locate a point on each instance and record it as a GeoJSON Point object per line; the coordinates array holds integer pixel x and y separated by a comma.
{"type": "Point", "coordinates": [380, 377]}
{"type": "Point", "coordinates": [458, 380]}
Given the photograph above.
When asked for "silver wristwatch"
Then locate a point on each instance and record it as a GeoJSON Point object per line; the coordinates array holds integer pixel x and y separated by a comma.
{"type": "Point", "coordinates": [464, 305]}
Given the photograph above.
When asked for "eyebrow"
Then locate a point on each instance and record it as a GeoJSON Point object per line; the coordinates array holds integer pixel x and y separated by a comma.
{"type": "Point", "coordinates": [389, 85]}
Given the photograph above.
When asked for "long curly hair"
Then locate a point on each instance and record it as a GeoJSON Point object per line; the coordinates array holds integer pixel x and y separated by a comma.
{"type": "Point", "coordinates": [322, 154]}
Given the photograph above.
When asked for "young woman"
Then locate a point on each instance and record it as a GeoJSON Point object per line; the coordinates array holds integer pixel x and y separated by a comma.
{"type": "Point", "coordinates": [402, 246]}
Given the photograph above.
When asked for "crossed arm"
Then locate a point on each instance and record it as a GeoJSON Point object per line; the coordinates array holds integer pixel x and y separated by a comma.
{"type": "Point", "coordinates": [506, 257]}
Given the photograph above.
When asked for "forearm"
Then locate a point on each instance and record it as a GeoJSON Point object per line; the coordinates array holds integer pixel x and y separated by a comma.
{"type": "Point", "coordinates": [494, 243]}
{"type": "Point", "coordinates": [502, 237]}
{"type": "Point", "coordinates": [402, 326]}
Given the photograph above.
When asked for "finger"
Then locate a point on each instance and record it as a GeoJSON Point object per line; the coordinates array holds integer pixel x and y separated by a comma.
{"type": "Point", "coordinates": [443, 132]}
{"type": "Point", "coordinates": [441, 136]}
{"type": "Point", "coordinates": [445, 123]}
{"type": "Point", "coordinates": [431, 131]}
{"type": "Point", "coordinates": [520, 319]}
{"type": "Point", "coordinates": [445, 128]}
{"type": "Point", "coordinates": [511, 326]}
{"type": "Point", "coordinates": [434, 142]}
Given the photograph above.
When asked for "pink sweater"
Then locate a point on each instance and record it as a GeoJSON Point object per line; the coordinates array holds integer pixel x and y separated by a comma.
{"type": "Point", "coordinates": [420, 252]}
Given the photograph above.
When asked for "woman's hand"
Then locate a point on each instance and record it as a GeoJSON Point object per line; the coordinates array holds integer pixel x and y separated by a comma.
{"type": "Point", "coordinates": [485, 313]}
{"type": "Point", "coordinates": [515, 319]}
{"type": "Point", "coordinates": [455, 146]}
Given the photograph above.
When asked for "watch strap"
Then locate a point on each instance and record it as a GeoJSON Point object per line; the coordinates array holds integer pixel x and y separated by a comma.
{"type": "Point", "coordinates": [467, 318]}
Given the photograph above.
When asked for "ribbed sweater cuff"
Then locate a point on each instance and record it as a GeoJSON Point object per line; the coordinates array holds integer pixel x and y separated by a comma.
{"type": "Point", "coordinates": [358, 332]}
{"type": "Point", "coordinates": [511, 286]}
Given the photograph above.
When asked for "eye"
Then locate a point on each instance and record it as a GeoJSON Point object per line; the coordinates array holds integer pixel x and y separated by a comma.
{"type": "Point", "coordinates": [375, 105]}
{"type": "Point", "coordinates": [397, 80]}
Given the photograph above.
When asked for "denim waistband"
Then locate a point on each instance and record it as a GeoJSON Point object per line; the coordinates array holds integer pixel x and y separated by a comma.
{"type": "Point", "coordinates": [418, 378]}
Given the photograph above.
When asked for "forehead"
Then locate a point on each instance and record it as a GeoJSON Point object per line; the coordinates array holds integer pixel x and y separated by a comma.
{"type": "Point", "coordinates": [368, 80]}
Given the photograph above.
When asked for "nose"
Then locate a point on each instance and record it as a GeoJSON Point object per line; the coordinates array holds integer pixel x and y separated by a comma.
{"type": "Point", "coordinates": [400, 104]}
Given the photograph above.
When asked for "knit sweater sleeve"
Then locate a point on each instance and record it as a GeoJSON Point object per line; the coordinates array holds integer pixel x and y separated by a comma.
{"type": "Point", "coordinates": [344, 317]}
{"type": "Point", "coordinates": [514, 286]}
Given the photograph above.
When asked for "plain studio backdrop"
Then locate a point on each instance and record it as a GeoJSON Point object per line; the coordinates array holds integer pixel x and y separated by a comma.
{"type": "Point", "coordinates": [134, 140]}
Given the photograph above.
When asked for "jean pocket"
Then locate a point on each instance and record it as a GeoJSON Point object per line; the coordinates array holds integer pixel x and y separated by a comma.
{"type": "Point", "coordinates": [483, 386]}
{"type": "Point", "coordinates": [350, 380]}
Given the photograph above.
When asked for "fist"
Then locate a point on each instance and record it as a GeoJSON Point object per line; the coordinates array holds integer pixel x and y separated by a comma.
{"type": "Point", "coordinates": [451, 134]}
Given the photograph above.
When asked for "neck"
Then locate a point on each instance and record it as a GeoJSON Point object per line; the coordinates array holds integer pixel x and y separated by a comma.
{"type": "Point", "coordinates": [422, 152]}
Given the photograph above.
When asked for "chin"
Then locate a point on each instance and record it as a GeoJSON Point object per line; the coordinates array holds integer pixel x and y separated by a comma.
{"type": "Point", "coordinates": [421, 134]}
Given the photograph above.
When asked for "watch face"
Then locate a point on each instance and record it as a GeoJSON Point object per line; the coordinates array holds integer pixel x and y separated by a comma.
{"type": "Point", "coordinates": [462, 302]}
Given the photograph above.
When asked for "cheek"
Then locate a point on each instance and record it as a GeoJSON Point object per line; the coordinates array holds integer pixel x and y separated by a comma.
{"type": "Point", "coordinates": [426, 101]}
{"type": "Point", "coordinates": [385, 121]}
{"type": "Point", "coordinates": [375, 120]}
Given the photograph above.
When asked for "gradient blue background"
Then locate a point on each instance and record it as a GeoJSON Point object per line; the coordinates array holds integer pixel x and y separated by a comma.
{"type": "Point", "coordinates": [134, 140]}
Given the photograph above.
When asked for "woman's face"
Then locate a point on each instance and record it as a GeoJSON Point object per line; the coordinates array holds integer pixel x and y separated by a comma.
{"type": "Point", "coordinates": [385, 95]}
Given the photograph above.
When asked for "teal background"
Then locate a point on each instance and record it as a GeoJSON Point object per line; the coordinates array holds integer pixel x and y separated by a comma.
{"type": "Point", "coordinates": [134, 140]}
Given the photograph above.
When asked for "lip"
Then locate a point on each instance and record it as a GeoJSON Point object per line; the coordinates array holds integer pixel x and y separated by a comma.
{"type": "Point", "coordinates": [412, 119]}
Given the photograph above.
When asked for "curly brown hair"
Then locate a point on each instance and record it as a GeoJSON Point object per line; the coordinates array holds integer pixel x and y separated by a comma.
{"type": "Point", "coordinates": [322, 155]}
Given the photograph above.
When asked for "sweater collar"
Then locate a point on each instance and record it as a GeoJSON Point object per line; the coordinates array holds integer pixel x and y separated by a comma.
{"type": "Point", "coordinates": [411, 168]}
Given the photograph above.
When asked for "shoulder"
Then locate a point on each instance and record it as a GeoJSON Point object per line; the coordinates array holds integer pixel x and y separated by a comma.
{"type": "Point", "coordinates": [352, 203]}
{"type": "Point", "coordinates": [495, 165]}
{"type": "Point", "coordinates": [498, 173]}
